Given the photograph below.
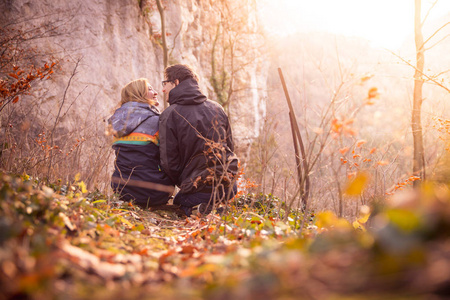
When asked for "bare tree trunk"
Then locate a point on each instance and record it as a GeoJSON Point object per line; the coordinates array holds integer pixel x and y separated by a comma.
{"type": "Point", "coordinates": [416, 123]}
{"type": "Point", "coordinates": [163, 38]}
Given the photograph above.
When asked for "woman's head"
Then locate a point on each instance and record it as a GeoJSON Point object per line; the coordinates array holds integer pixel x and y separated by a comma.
{"type": "Point", "coordinates": [139, 90]}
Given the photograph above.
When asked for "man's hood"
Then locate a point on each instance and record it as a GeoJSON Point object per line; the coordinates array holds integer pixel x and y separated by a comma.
{"type": "Point", "coordinates": [186, 93]}
{"type": "Point", "coordinates": [129, 116]}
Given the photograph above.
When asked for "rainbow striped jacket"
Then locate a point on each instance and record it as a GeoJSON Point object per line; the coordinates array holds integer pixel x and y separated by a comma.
{"type": "Point", "coordinates": [137, 173]}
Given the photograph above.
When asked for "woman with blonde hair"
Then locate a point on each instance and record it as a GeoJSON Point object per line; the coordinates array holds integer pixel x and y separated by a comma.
{"type": "Point", "coordinates": [137, 175]}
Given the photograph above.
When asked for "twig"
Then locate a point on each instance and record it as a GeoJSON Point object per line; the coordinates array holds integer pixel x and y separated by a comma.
{"type": "Point", "coordinates": [422, 73]}
{"type": "Point", "coordinates": [442, 27]}
{"type": "Point", "coordinates": [57, 116]}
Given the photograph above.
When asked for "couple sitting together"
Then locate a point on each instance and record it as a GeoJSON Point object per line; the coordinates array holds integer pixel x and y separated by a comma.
{"type": "Point", "coordinates": [188, 145]}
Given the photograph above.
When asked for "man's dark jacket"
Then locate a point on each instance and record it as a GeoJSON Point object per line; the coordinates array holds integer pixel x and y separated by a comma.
{"type": "Point", "coordinates": [196, 143]}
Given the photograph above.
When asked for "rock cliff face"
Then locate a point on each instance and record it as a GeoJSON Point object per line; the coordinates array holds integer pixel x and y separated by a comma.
{"type": "Point", "coordinates": [101, 45]}
{"type": "Point", "coordinates": [108, 38]}
{"type": "Point", "coordinates": [195, 27]}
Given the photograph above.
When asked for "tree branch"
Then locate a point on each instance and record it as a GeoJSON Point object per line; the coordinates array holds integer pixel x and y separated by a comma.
{"type": "Point", "coordinates": [422, 73]}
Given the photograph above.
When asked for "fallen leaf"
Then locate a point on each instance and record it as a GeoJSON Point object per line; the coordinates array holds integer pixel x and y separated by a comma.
{"type": "Point", "coordinates": [357, 185]}
{"type": "Point", "coordinates": [67, 221]}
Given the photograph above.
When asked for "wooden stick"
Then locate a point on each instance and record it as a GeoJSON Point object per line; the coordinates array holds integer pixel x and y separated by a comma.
{"type": "Point", "coordinates": [296, 133]}
{"type": "Point", "coordinates": [297, 154]}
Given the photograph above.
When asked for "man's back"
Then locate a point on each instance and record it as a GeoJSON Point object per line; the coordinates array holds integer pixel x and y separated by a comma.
{"type": "Point", "coordinates": [196, 141]}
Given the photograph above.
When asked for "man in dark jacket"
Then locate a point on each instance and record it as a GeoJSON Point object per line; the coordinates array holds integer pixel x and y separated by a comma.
{"type": "Point", "coordinates": [196, 144]}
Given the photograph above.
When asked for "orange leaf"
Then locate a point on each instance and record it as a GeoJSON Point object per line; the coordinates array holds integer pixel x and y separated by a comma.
{"type": "Point", "coordinates": [188, 249]}
{"type": "Point", "coordinates": [336, 125]}
{"type": "Point", "coordinates": [343, 150]}
{"type": "Point", "coordinates": [163, 258]}
{"type": "Point", "coordinates": [373, 151]}
{"type": "Point", "coordinates": [349, 131]}
{"type": "Point", "coordinates": [13, 75]}
{"type": "Point", "coordinates": [360, 143]}
{"type": "Point", "coordinates": [382, 163]}
{"type": "Point", "coordinates": [357, 185]}
{"type": "Point", "coordinates": [16, 99]}
{"type": "Point", "coordinates": [349, 121]}
{"type": "Point", "coordinates": [143, 252]}
{"type": "Point", "coordinates": [373, 93]}
{"type": "Point", "coordinates": [366, 77]}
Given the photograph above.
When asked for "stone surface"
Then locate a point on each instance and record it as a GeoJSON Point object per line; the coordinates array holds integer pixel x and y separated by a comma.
{"type": "Point", "coordinates": [101, 45]}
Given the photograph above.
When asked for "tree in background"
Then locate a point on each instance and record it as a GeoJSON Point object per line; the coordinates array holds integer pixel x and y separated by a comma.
{"type": "Point", "coordinates": [233, 47]}
{"type": "Point", "coordinates": [419, 79]}
{"type": "Point", "coordinates": [165, 49]}
{"type": "Point", "coordinates": [339, 102]}
{"type": "Point", "coordinates": [416, 122]}
{"type": "Point", "coordinates": [147, 7]}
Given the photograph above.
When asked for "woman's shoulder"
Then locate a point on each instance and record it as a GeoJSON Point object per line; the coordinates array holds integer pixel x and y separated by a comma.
{"type": "Point", "coordinates": [137, 108]}
{"type": "Point", "coordinates": [155, 110]}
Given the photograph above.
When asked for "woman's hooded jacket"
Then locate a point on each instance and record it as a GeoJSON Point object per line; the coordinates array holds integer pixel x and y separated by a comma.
{"type": "Point", "coordinates": [137, 175]}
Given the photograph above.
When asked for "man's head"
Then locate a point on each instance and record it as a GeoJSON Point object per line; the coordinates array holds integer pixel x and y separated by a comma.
{"type": "Point", "coordinates": [175, 74]}
{"type": "Point", "coordinates": [180, 72]}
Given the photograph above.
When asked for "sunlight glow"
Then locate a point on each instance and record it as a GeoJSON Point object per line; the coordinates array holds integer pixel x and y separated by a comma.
{"type": "Point", "coordinates": [385, 23]}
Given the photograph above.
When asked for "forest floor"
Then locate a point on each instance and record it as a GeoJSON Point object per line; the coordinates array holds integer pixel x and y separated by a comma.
{"type": "Point", "coordinates": [64, 242]}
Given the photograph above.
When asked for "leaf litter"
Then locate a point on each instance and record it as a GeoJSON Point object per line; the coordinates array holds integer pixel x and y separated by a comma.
{"type": "Point", "coordinates": [79, 246]}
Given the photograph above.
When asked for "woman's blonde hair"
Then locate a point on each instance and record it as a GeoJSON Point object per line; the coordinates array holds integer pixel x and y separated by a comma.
{"type": "Point", "coordinates": [136, 91]}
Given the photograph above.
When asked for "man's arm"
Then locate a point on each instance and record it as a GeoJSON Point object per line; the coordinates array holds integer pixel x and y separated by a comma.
{"type": "Point", "coordinates": [229, 136]}
{"type": "Point", "coordinates": [168, 146]}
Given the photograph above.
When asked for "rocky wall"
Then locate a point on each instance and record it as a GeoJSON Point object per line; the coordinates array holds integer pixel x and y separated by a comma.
{"type": "Point", "coordinates": [101, 45]}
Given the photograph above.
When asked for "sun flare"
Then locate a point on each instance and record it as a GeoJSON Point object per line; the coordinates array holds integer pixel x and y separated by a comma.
{"type": "Point", "coordinates": [385, 23]}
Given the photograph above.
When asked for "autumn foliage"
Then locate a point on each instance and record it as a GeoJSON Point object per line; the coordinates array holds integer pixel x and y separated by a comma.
{"type": "Point", "coordinates": [17, 69]}
{"type": "Point", "coordinates": [62, 240]}
{"type": "Point", "coordinates": [366, 234]}
{"type": "Point", "coordinates": [29, 142]}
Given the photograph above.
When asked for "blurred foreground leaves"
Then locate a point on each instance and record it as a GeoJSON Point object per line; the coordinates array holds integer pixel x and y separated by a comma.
{"type": "Point", "coordinates": [64, 242]}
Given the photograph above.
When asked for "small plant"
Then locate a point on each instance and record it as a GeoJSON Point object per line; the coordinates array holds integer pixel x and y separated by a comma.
{"type": "Point", "coordinates": [260, 203]}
